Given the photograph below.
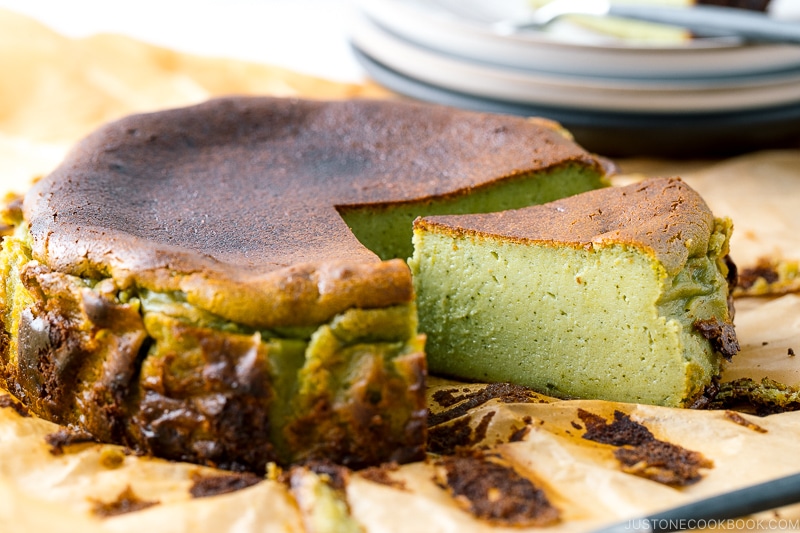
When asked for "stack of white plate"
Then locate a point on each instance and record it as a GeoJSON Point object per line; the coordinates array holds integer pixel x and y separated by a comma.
{"type": "Point", "coordinates": [696, 96]}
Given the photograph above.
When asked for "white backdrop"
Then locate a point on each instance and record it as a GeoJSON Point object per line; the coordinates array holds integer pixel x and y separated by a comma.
{"type": "Point", "coordinates": [308, 36]}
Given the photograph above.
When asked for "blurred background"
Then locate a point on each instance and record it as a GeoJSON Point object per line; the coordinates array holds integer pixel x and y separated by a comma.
{"type": "Point", "coordinates": [623, 87]}
{"type": "Point", "coordinates": [310, 36]}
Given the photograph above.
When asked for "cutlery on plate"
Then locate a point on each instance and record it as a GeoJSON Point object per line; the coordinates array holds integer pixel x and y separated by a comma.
{"type": "Point", "coordinates": [703, 20]}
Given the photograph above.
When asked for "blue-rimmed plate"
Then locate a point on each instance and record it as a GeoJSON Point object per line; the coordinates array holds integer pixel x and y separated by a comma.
{"type": "Point", "coordinates": [486, 80]}
{"type": "Point", "coordinates": [619, 134]}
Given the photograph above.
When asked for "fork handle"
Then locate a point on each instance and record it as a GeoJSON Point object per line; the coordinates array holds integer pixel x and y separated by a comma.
{"type": "Point", "coordinates": [715, 21]}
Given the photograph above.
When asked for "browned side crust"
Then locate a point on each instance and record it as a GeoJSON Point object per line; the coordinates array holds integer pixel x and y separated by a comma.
{"type": "Point", "coordinates": [192, 393]}
{"type": "Point", "coordinates": [234, 201]}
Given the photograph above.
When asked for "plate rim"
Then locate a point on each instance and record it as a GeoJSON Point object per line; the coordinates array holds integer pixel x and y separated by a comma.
{"type": "Point", "coordinates": [494, 82]}
{"type": "Point", "coordinates": [413, 22]}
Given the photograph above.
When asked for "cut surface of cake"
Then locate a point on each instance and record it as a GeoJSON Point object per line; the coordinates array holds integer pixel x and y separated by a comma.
{"type": "Point", "coordinates": [226, 284]}
{"type": "Point", "coordinates": [619, 294]}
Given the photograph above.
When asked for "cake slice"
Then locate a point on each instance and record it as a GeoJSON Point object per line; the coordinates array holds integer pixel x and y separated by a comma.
{"type": "Point", "coordinates": [618, 294]}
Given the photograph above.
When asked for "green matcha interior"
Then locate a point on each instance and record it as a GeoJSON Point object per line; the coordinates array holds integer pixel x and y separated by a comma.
{"type": "Point", "coordinates": [604, 322]}
{"type": "Point", "coordinates": [386, 230]}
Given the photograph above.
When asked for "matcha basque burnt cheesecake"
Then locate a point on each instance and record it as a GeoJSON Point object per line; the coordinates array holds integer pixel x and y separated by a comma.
{"type": "Point", "coordinates": [226, 283]}
{"type": "Point", "coordinates": [620, 294]}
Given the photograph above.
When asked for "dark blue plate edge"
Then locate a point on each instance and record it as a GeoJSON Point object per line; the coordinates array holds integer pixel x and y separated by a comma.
{"type": "Point", "coordinates": [623, 134]}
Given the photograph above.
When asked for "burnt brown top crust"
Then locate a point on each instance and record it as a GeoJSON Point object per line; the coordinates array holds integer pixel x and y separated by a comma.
{"type": "Point", "coordinates": [239, 196]}
{"type": "Point", "coordinates": [647, 214]}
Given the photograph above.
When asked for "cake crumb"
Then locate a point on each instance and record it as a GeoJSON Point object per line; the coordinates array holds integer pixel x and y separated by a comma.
{"type": "Point", "coordinates": [126, 502]}
{"type": "Point", "coordinates": [337, 476]}
{"type": "Point", "coordinates": [382, 475]}
{"type": "Point", "coordinates": [791, 352]}
{"type": "Point", "coordinates": [204, 486]}
{"type": "Point", "coordinates": [760, 398]}
{"type": "Point", "coordinates": [6, 400]}
{"type": "Point", "coordinates": [736, 418]}
{"type": "Point", "coordinates": [58, 440]}
{"type": "Point", "coordinates": [112, 457]}
{"type": "Point", "coordinates": [765, 269]}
